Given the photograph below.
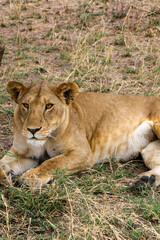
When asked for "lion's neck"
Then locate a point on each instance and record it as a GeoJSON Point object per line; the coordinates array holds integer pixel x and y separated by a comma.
{"type": "Point", "coordinates": [57, 133]}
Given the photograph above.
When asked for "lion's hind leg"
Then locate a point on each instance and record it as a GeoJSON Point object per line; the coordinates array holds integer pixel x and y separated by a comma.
{"type": "Point", "coordinates": [151, 157]}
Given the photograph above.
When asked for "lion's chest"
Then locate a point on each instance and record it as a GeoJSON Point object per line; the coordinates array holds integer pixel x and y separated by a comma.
{"type": "Point", "coordinates": [36, 149]}
{"type": "Point", "coordinates": [122, 145]}
{"type": "Point", "coordinates": [53, 148]}
{"type": "Point", "coordinates": [44, 150]}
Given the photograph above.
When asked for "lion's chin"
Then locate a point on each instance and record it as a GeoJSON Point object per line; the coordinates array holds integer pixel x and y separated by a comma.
{"type": "Point", "coordinates": [36, 142]}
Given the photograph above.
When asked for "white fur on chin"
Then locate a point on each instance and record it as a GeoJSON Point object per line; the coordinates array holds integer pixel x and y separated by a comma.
{"type": "Point", "coordinates": [36, 143]}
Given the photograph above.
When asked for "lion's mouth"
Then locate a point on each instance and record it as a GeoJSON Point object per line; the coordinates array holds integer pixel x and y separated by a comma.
{"type": "Point", "coordinates": [34, 138]}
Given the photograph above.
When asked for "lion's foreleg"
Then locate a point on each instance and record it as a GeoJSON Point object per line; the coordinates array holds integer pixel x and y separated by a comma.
{"type": "Point", "coordinates": [71, 161]}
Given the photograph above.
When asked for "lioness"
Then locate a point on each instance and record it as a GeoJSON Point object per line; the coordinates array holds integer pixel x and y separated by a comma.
{"type": "Point", "coordinates": [57, 127]}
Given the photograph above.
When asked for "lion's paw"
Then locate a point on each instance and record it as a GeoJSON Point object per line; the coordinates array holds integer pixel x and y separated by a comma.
{"type": "Point", "coordinates": [6, 174]}
{"type": "Point", "coordinates": [144, 181]}
{"type": "Point", "coordinates": [30, 178]}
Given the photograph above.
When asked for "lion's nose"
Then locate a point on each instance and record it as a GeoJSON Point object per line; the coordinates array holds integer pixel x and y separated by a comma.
{"type": "Point", "coordinates": [33, 130]}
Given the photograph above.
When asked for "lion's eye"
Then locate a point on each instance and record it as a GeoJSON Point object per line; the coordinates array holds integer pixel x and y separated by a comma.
{"type": "Point", "coordinates": [25, 105]}
{"type": "Point", "coordinates": [49, 106]}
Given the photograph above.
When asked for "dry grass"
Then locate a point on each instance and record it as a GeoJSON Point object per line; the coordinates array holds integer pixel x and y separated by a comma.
{"type": "Point", "coordinates": [102, 45]}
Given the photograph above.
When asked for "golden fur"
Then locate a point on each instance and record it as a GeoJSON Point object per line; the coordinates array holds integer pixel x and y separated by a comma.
{"type": "Point", "coordinates": [57, 127]}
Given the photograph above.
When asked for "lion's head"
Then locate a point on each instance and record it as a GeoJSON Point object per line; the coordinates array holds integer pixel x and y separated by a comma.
{"type": "Point", "coordinates": [41, 107]}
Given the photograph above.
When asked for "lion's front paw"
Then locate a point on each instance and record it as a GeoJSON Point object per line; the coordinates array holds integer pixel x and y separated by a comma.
{"type": "Point", "coordinates": [6, 174]}
{"type": "Point", "coordinates": [32, 179]}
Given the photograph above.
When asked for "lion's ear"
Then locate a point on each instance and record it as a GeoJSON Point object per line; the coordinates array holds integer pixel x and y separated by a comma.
{"type": "Point", "coordinates": [66, 92]}
{"type": "Point", "coordinates": [16, 90]}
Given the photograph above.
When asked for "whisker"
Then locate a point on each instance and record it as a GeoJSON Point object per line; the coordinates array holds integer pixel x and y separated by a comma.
{"type": "Point", "coordinates": [49, 135]}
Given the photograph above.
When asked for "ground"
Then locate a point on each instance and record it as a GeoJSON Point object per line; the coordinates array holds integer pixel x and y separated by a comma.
{"type": "Point", "coordinates": [104, 46]}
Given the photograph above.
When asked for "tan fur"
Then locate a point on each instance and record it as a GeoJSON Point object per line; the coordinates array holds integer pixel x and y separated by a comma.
{"type": "Point", "coordinates": [75, 131]}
